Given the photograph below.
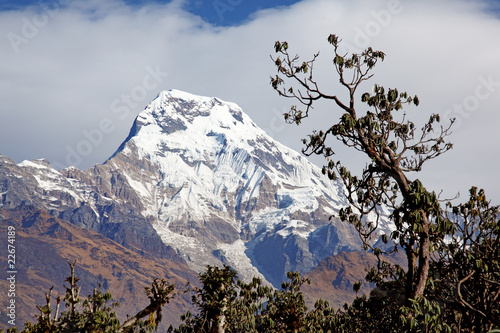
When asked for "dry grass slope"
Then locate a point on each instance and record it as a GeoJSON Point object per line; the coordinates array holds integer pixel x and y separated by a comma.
{"type": "Point", "coordinates": [43, 246]}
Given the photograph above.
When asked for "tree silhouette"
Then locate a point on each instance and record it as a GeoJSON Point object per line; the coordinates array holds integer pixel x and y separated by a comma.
{"type": "Point", "coordinates": [394, 147]}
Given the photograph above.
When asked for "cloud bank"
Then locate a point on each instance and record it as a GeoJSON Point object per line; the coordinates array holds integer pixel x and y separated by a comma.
{"type": "Point", "coordinates": [74, 75]}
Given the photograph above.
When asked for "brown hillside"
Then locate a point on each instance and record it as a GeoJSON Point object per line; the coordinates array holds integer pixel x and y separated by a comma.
{"type": "Point", "coordinates": [43, 246]}
{"type": "Point", "coordinates": [335, 276]}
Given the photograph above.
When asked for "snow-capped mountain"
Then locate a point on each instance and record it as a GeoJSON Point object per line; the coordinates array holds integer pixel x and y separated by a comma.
{"type": "Point", "coordinates": [196, 175]}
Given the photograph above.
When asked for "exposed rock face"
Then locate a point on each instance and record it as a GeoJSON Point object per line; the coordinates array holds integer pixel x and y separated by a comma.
{"type": "Point", "coordinates": [196, 179]}
{"type": "Point", "coordinates": [73, 196]}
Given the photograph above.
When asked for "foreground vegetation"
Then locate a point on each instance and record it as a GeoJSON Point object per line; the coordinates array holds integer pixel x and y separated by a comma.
{"type": "Point", "coordinates": [461, 295]}
{"type": "Point", "coordinates": [452, 279]}
{"type": "Point", "coordinates": [462, 292]}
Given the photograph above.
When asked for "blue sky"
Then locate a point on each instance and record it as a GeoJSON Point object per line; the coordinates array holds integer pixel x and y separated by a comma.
{"type": "Point", "coordinates": [231, 12]}
{"type": "Point", "coordinates": [217, 12]}
{"type": "Point", "coordinates": [67, 70]}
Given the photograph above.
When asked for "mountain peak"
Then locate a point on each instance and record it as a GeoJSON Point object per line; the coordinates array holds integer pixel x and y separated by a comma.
{"type": "Point", "coordinates": [183, 95]}
{"type": "Point", "coordinates": [174, 111]}
{"type": "Point", "coordinates": [180, 120]}
{"type": "Point", "coordinates": [219, 189]}
{"type": "Point", "coordinates": [178, 104]}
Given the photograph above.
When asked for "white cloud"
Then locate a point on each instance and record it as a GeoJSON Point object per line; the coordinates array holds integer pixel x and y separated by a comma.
{"type": "Point", "coordinates": [62, 75]}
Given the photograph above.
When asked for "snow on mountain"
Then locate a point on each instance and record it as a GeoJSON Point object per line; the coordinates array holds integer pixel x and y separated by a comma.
{"type": "Point", "coordinates": [223, 168]}
{"type": "Point", "coordinates": [199, 174]}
